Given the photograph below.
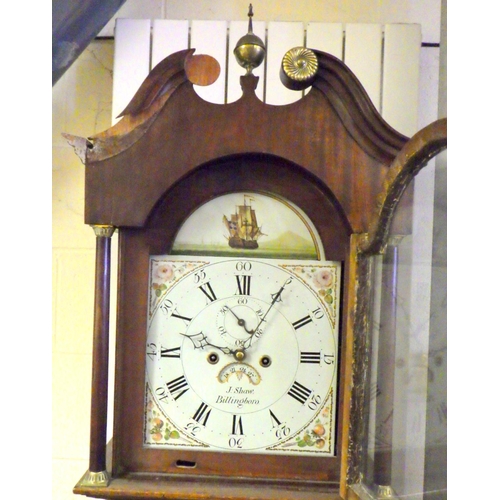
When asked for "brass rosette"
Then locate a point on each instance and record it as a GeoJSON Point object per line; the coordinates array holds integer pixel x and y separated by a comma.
{"type": "Point", "coordinates": [298, 68]}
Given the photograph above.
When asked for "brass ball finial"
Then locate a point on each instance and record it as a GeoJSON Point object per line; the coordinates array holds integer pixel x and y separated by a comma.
{"type": "Point", "coordinates": [250, 49]}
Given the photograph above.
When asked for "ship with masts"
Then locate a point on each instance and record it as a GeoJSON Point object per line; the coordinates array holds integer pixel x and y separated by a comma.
{"type": "Point", "coordinates": [242, 226]}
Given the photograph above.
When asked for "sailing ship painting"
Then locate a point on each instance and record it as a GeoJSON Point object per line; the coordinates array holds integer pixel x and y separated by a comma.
{"type": "Point", "coordinates": [244, 223]}
{"type": "Point", "coordinates": [243, 229]}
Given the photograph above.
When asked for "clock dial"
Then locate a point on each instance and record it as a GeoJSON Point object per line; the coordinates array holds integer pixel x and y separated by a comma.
{"type": "Point", "coordinates": [241, 355]}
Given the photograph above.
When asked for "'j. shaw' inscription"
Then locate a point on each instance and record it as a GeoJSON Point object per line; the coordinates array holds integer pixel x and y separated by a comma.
{"type": "Point", "coordinates": [231, 397]}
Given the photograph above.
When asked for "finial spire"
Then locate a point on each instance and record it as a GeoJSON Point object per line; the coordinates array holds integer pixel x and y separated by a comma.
{"type": "Point", "coordinates": [250, 15]}
{"type": "Point", "coordinates": [250, 50]}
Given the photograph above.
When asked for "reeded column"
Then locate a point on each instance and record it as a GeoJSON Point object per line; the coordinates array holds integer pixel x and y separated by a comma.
{"type": "Point", "coordinates": [97, 474]}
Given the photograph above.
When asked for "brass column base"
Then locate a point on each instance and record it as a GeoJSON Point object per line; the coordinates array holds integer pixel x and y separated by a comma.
{"type": "Point", "coordinates": [385, 492]}
{"type": "Point", "coordinates": [376, 492]}
{"type": "Point", "coordinates": [97, 479]}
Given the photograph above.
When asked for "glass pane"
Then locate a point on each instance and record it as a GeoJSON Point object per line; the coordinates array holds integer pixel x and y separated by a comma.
{"type": "Point", "coordinates": [407, 408]}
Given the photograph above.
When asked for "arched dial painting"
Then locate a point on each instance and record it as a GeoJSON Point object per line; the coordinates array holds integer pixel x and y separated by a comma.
{"type": "Point", "coordinates": [242, 338]}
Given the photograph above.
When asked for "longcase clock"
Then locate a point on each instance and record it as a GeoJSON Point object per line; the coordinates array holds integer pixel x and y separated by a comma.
{"type": "Point", "coordinates": [239, 232]}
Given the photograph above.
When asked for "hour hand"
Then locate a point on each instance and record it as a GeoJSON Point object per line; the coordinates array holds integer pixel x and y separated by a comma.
{"type": "Point", "coordinates": [200, 341]}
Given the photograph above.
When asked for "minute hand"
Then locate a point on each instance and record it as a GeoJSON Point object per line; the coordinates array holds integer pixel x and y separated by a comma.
{"type": "Point", "coordinates": [275, 299]}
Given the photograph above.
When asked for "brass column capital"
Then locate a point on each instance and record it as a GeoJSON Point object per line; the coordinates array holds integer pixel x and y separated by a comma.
{"type": "Point", "coordinates": [103, 230]}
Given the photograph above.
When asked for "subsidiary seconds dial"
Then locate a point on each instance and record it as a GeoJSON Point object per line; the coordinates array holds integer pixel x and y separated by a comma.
{"type": "Point", "coordinates": [242, 354]}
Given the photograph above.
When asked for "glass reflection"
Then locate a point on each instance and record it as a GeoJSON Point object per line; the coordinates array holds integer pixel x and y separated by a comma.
{"type": "Point", "coordinates": [406, 407]}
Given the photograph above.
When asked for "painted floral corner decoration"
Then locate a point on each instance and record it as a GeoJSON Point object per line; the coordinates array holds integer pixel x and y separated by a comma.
{"type": "Point", "coordinates": [316, 435]}
{"type": "Point", "coordinates": [315, 438]}
{"type": "Point", "coordinates": [164, 274]}
{"type": "Point", "coordinates": [324, 280]}
{"type": "Point", "coordinates": [159, 430]}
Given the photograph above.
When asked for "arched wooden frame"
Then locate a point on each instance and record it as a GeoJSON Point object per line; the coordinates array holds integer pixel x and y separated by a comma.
{"type": "Point", "coordinates": [252, 172]}
{"type": "Point", "coordinates": [259, 173]}
{"type": "Point", "coordinates": [414, 156]}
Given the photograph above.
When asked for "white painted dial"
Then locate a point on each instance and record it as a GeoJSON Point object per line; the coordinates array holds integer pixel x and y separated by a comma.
{"type": "Point", "coordinates": [241, 354]}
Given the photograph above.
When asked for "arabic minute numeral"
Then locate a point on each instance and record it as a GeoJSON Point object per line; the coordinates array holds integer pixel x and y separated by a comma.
{"type": "Point", "coordinates": [192, 428]}
{"type": "Point", "coordinates": [162, 394]}
{"type": "Point", "coordinates": [318, 313]}
{"type": "Point", "coordinates": [166, 307]}
{"type": "Point", "coordinates": [200, 277]}
{"type": "Point", "coordinates": [151, 351]}
{"type": "Point", "coordinates": [243, 266]}
{"type": "Point", "coordinates": [281, 430]}
{"type": "Point", "coordinates": [314, 402]}
{"type": "Point", "coordinates": [329, 358]}
{"type": "Point", "coordinates": [170, 310]}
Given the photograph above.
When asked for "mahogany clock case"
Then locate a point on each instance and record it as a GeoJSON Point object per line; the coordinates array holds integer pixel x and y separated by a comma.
{"type": "Point", "coordinates": [250, 172]}
{"type": "Point", "coordinates": [331, 154]}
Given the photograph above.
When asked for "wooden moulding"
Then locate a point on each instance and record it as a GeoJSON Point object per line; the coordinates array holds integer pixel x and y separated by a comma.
{"type": "Point", "coordinates": [334, 133]}
{"type": "Point", "coordinates": [414, 156]}
{"type": "Point", "coordinates": [359, 116]}
{"type": "Point", "coordinates": [153, 487]}
{"type": "Point", "coordinates": [359, 367]}
{"type": "Point", "coordinates": [348, 358]}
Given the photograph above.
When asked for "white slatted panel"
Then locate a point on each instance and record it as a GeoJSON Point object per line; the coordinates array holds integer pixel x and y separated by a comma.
{"type": "Point", "coordinates": [327, 37]}
{"type": "Point", "coordinates": [169, 36]}
{"type": "Point", "coordinates": [131, 61]}
{"type": "Point", "coordinates": [210, 37]}
{"type": "Point", "coordinates": [363, 55]}
{"type": "Point", "coordinates": [281, 37]}
{"type": "Point", "coordinates": [237, 29]}
{"type": "Point", "coordinates": [387, 67]}
{"type": "Point", "coordinates": [400, 78]}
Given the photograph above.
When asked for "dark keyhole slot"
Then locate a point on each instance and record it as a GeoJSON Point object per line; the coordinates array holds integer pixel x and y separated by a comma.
{"type": "Point", "coordinates": [185, 464]}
